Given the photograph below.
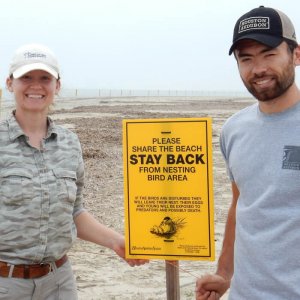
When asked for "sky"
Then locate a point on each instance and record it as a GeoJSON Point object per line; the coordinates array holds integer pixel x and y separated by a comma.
{"type": "Point", "coordinates": [134, 44]}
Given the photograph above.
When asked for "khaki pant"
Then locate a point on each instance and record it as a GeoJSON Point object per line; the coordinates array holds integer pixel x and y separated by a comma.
{"type": "Point", "coordinates": [57, 285]}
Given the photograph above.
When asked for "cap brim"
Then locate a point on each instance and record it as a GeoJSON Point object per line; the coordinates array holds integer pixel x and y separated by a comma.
{"type": "Point", "coordinates": [268, 40]}
{"type": "Point", "coordinates": [35, 66]}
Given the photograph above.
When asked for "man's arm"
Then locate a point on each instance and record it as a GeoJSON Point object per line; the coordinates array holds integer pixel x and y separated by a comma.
{"type": "Point", "coordinates": [214, 286]}
{"type": "Point", "coordinates": [225, 263]}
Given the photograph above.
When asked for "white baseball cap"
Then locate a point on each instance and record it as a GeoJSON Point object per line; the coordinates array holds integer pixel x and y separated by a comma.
{"type": "Point", "coordinates": [33, 57]}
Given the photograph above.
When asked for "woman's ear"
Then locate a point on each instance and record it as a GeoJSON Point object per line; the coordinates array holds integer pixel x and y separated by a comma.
{"type": "Point", "coordinates": [58, 84]}
{"type": "Point", "coordinates": [9, 84]}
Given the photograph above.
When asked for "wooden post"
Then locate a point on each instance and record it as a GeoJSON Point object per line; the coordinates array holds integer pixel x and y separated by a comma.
{"type": "Point", "coordinates": [172, 280]}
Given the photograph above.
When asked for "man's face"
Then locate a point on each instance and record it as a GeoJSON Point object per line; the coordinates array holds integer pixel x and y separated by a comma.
{"type": "Point", "coordinates": [266, 72]}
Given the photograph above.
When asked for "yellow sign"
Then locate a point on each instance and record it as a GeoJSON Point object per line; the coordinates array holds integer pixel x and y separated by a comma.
{"type": "Point", "coordinates": [168, 188]}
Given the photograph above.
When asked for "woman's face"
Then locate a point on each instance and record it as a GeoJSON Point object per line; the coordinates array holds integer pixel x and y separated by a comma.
{"type": "Point", "coordinates": [34, 91]}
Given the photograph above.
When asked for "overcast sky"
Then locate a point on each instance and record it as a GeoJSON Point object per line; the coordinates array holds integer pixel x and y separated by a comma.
{"type": "Point", "coordinates": [134, 44]}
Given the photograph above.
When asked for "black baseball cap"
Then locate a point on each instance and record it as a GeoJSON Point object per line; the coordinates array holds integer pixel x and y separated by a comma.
{"type": "Point", "coordinates": [265, 25]}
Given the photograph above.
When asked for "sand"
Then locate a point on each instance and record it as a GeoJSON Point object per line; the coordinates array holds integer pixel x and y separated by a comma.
{"type": "Point", "coordinates": [100, 274]}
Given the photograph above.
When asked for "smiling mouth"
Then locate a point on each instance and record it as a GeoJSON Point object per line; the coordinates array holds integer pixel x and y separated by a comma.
{"type": "Point", "coordinates": [35, 96]}
{"type": "Point", "coordinates": [263, 83]}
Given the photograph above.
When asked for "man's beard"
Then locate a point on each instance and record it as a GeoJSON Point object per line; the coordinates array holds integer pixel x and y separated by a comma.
{"type": "Point", "coordinates": [282, 84]}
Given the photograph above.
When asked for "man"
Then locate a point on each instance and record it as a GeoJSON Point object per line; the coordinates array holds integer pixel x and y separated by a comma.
{"type": "Point", "coordinates": [260, 258]}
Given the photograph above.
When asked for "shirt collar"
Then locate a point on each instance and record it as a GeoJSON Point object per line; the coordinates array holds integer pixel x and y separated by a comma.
{"type": "Point", "coordinates": [52, 128]}
{"type": "Point", "coordinates": [15, 131]}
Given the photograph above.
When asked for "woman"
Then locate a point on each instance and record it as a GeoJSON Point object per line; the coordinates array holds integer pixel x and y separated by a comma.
{"type": "Point", "coordinates": [41, 182]}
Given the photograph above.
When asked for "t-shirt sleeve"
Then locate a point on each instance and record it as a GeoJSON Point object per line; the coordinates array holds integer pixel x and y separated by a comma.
{"type": "Point", "coordinates": [225, 154]}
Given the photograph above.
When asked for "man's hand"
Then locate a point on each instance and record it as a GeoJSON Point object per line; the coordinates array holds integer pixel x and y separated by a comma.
{"type": "Point", "coordinates": [211, 287]}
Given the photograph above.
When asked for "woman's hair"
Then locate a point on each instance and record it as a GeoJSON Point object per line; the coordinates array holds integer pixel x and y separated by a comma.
{"type": "Point", "coordinates": [12, 77]}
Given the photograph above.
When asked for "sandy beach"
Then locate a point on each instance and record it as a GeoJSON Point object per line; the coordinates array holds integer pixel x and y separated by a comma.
{"type": "Point", "coordinates": [100, 274]}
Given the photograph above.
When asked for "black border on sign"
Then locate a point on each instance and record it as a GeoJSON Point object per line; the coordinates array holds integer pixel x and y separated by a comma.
{"type": "Point", "coordinates": [208, 184]}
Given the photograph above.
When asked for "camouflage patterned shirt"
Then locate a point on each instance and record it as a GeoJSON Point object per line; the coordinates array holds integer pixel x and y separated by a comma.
{"type": "Point", "coordinates": [40, 193]}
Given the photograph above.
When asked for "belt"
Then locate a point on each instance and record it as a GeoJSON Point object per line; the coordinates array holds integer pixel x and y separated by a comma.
{"type": "Point", "coordinates": [29, 271]}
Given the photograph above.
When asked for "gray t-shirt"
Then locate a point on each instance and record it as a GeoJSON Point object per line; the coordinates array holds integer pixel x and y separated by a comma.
{"type": "Point", "coordinates": [262, 153]}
